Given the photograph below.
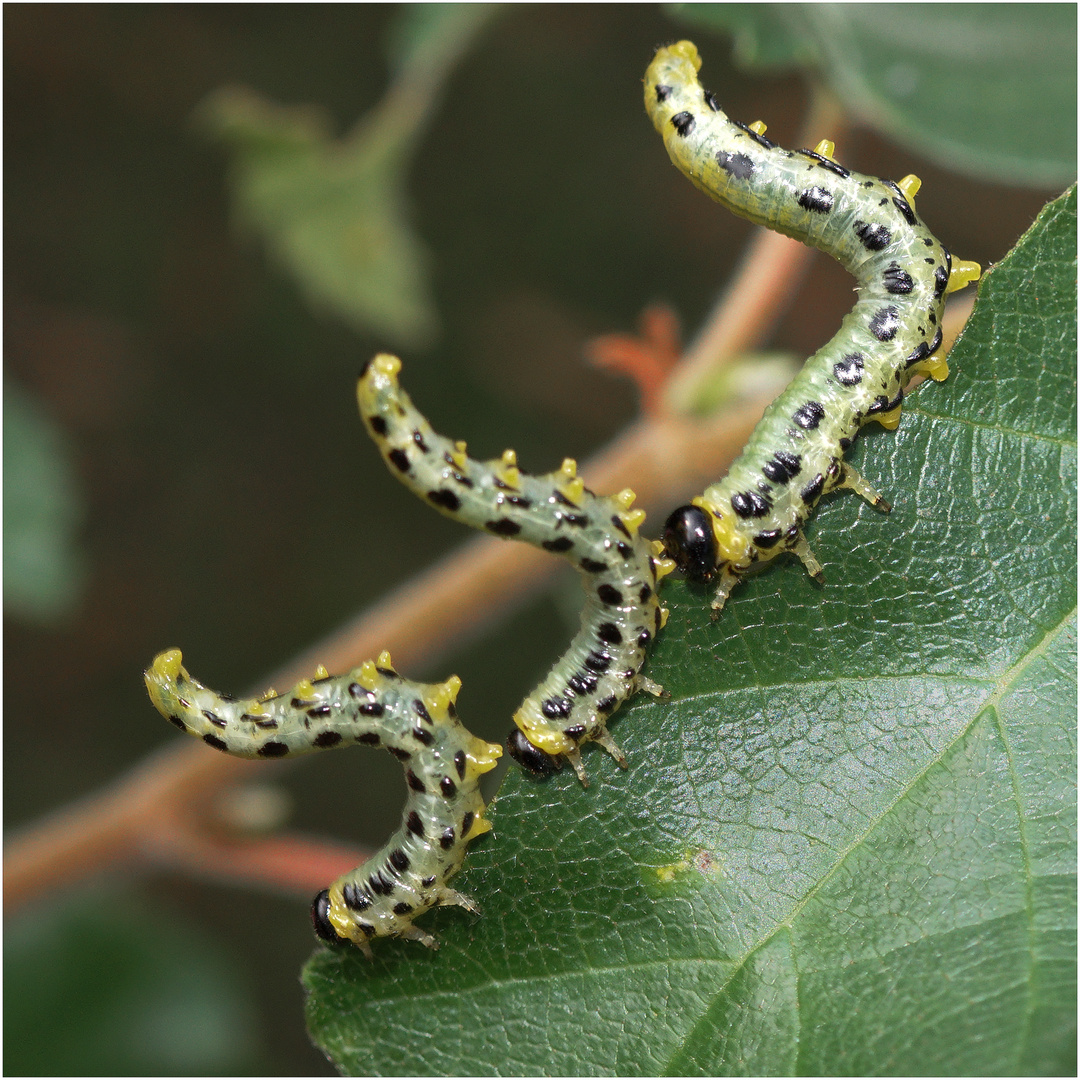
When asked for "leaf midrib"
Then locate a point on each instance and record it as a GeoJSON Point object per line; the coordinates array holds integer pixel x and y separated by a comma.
{"type": "Point", "coordinates": [963, 421]}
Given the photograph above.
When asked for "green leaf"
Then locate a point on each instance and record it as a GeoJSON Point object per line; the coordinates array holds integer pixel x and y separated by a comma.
{"type": "Point", "coordinates": [334, 212]}
{"type": "Point", "coordinates": [44, 568]}
{"type": "Point", "coordinates": [985, 89]}
{"type": "Point", "coordinates": [847, 842]}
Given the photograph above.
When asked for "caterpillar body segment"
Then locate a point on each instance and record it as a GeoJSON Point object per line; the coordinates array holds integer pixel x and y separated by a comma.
{"type": "Point", "coordinates": [371, 706]}
{"type": "Point", "coordinates": [599, 534]}
{"type": "Point", "coordinates": [796, 453]}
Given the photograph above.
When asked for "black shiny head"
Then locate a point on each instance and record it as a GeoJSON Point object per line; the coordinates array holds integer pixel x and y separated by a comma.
{"type": "Point", "coordinates": [320, 919]}
{"type": "Point", "coordinates": [689, 540]}
{"type": "Point", "coordinates": [530, 758]}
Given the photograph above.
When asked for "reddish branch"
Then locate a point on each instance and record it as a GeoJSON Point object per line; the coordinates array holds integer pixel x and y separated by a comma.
{"type": "Point", "coordinates": [648, 357]}
{"type": "Point", "coordinates": [155, 814]}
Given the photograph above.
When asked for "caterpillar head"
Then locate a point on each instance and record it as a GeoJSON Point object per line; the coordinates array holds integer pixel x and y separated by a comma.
{"type": "Point", "coordinates": [690, 542]}
{"type": "Point", "coordinates": [320, 920]}
{"type": "Point", "coordinates": [531, 758]}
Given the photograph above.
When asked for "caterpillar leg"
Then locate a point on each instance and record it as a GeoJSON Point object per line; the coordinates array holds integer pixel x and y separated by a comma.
{"type": "Point", "coordinates": [728, 580]}
{"type": "Point", "coordinates": [447, 898]}
{"type": "Point", "coordinates": [604, 739]}
{"type": "Point", "coordinates": [802, 549]}
{"type": "Point", "coordinates": [608, 743]}
{"type": "Point", "coordinates": [890, 421]}
{"type": "Point", "coordinates": [651, 687]}
{"type": "Point", "coordinates": [574, 757]}
{"type": "Point", "coordinates": [603, 736]}
{"type": "Point", "coordinates": [935, 365]}
{"type": "Point", "coordinates": [453, 898]}
{"type": "Point", "coordinates": [409, 933]}
{"type": "Point", "coordinates": [854, 480]}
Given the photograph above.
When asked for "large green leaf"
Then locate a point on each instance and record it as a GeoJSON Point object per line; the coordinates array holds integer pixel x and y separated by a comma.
{"type": "Point", "coordinates": [847, 843]}
{"type": "Point", "coordinates": [988, 89]}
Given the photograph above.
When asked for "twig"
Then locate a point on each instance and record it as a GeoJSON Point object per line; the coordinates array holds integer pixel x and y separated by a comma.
{"type": "Point", "coordinates": [148, 815]}
{"type": "Point", "coordinates": [446, 605]}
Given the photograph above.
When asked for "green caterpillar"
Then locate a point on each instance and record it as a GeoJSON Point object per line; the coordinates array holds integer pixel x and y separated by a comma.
{"type": "Point", "coordinates": [796, 453]}
{"type": "Point", "coordinates": [371, 706]}
{"type": "Point", "coordinates": [599, 534]}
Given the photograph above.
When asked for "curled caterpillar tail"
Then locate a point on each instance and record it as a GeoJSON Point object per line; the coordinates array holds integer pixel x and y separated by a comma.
{"type": "Point", "coordinates": [599, 534]}
{"type": "Point", "coordinates": [371, 706]}
{"type": "Point", "coordinates": [796, 453]}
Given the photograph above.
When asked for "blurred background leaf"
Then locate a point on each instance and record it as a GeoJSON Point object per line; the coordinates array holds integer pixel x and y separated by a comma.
{"type": "Point", "coordinates": [988, 89]}
{"type": "Point", "coordinates": [335, 212]}
{"type": "Point", "coordinates": [44, 566]}
{"type": "Point", "coordinates": [847, 844]}
{"type": "Point", "coordinates": [171, 1005]}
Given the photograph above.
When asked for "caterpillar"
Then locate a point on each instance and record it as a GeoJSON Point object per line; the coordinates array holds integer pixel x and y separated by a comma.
{"type": "Point", "coordinates": [796, 453]}
{"type": "Point", "coordinates": [599, 534]}
{"type": "Point", "coordinates": [371, 706]}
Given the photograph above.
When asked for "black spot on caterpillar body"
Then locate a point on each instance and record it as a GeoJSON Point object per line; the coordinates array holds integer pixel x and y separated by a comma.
{"type": "Point", "coordinates": [371, 706]}
{"type": "Point", "coordinates": [795, 454]}
{"type": "Point", "coordinates": [599, 534]}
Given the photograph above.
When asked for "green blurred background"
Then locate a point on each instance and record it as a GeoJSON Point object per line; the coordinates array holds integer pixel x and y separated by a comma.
{"type": "Point", "coordinates": [190, 467]}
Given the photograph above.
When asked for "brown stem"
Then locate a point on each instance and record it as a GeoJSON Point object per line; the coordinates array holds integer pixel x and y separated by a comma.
{"type": "Point", "coordinates": [286, 862]}
{"type": "Point", "coordinates": [150, 813]}
{"type": "Point", "coordinates": [106, 828]}
{"type": "Point", "coordinates": [447, 604]}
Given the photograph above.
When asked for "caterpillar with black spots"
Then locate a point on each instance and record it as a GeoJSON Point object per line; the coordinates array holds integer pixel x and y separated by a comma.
{"type": "Point", "coordinates": [599, 534]}
{"type": "Point", "coordinates": [796, 453]}
{"type": "Point", "coordinates": [371, 706]}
